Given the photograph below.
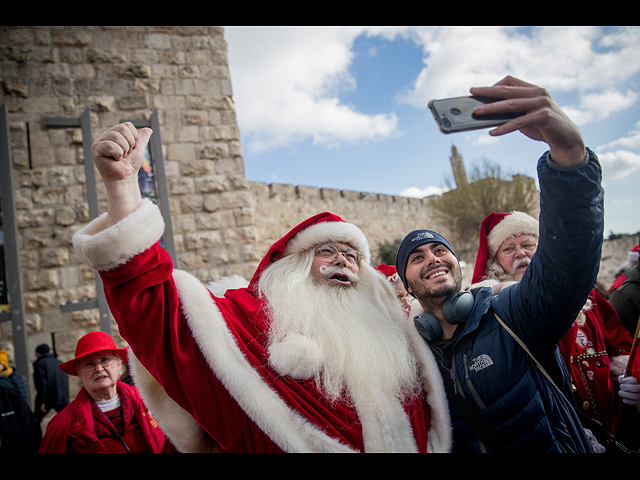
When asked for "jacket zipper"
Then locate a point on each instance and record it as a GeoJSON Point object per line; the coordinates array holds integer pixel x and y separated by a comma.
{"type": "Point", "coordinates": [467, 378]}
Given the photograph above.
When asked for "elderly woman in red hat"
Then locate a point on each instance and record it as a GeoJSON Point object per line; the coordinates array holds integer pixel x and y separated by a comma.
{"type": "Point", "coordinates": [107, 416]}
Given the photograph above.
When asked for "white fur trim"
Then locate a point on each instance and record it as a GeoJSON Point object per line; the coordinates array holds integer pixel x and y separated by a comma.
{"type": "Point", "coordinates": [440, 435]}
{"type": "Point", "coordinates": [220, 286]}
{"type": "Point", "coordinates": [179, 427]}
{"type": "Point", "coordinates": [296, 356]}
{"type": "Point", "coordinates": [517, 223]}
{"type": "Point", "coordinates": [325, 232]}
{"type": "Point", "coordinates": [619, 364]}
{"type": "Point", "coordinates": [103, 248]}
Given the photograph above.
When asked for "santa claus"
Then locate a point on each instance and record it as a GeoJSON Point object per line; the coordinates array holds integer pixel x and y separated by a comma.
{"type": "Point", "coordinates": [314, 355]}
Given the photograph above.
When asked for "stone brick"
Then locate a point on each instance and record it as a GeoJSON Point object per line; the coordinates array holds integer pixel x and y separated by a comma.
{"type": "Point", "coordinates": [202, 240]}
{"type": "Point", "coordinates": [212, 184]}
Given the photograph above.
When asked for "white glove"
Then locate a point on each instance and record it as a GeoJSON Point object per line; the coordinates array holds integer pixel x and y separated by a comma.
{"type": "Point", "coordinates": [597, 448]}
{"type": "Point", "coordinates": [629, 390]}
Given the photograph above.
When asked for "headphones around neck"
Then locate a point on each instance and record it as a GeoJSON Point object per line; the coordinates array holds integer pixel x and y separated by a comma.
{"type": "Point", "coordinates": [456, 309]}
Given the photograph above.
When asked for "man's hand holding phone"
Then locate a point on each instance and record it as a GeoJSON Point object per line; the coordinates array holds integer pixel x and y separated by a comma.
{"type": "Point", "coordinates": [543, 119]}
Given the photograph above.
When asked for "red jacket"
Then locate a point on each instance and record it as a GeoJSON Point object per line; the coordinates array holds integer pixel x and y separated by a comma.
{"type": "Point", "coordinates": [72, 429]}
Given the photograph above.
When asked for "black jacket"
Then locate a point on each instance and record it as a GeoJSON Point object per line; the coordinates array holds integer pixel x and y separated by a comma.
{"type": "Point", "coordinates": [52, 384]}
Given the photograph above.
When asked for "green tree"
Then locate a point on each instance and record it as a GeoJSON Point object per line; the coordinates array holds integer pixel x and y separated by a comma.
{"type": "Point", "coordinates": [489, 189]}
{"type": "Point", "coordinates": [387, 251]}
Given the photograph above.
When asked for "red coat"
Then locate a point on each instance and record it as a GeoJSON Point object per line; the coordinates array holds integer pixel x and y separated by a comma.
{"type": "Point", "coordinates": [588, 351]}
{"type": "Point", "coordinates": [204, 363]}
{"type": "Point", "coordinates": [72, 429]}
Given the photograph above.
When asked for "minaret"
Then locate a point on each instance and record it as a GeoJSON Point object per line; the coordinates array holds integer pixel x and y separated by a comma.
{"type": "Point", "coordinates": [457, 164]}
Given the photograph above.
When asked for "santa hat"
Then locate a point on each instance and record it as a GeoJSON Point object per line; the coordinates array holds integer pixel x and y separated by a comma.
{"type": "Point", "coordinates": [389, 271]}
{"type": "Point", "coordinates": [321, 228]}
{"type": "Point", "coordinates": [495, 229]}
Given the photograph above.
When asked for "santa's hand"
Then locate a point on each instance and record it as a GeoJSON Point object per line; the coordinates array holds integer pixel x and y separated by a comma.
{"type": "Point", "coordinates": [119, 152]}
{"type": "Point", "coordinates": [629, 390]}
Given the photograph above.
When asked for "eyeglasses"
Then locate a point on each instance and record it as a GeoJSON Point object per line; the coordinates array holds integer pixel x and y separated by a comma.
{"type": "Point", "coordinates": [510, 250]}
{"type": "Point", "coordinates": [103, 361]}
{"type": "Point", "coordinates": [330, 252]}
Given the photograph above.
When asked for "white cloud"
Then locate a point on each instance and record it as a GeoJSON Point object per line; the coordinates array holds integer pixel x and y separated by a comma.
{"type": "Point", "coordinates": [632, 140]}
{"type": "Point", "coordinates": [286, 79]}
{"type": "Point", "coordinates": [598, 106]}
{"type": "Point", "coordinates": [618, 164]}
{"type": "Point", "coordinates": [578, 59]}
{"type": "Point", "coordinates": [285, 82]}
{"type": "Point", "coordinates": [620, 161]}
{"type": "Point", "coordinates": [416, 192]}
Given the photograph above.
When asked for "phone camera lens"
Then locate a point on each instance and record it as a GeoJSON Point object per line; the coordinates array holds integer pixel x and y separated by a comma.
{"type": "Point", "coordinates": [445, 121]}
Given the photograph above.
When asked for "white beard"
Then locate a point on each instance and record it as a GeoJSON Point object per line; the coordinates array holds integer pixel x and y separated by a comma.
{"type": "Point", "coordinates": [362, 346]}
{"type": "Point", "coordinates": [351, 341]}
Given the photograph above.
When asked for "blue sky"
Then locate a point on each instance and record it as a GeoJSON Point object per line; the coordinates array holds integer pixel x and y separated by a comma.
{"type": "Point", "coordinates": [346, 107]}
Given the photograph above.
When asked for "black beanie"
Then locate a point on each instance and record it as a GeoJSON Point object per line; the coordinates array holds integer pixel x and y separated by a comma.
{"type": "Point", "coordinates": [412, 241]}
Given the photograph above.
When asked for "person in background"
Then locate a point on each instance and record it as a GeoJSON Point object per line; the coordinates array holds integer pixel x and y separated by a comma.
{"type": "Point", "coordinates": [12, 374]}
{"type": "Point", "coordinates": [52, 385]}
{"type": "Point", "coordinates": [621, 273]}
{"type": "Point", "coordinates": [107, 416]}
{"type": "Point", "coordinates": [390, 273]}
{"type": "Point", "coordinates": [626, 301]}
{"type": "Point", "coordinates": [19, 430]}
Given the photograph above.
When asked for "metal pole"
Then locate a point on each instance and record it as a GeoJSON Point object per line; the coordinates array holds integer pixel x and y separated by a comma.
{"type": "Point", "coordinates": [14, 278]}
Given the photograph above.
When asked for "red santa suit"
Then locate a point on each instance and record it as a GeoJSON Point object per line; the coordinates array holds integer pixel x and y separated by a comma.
{"type": "Point", "coordinates": [202, 365]}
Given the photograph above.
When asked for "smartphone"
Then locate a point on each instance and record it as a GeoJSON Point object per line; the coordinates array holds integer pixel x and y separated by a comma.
{"type": "Point", "coordinates": [456, 114]}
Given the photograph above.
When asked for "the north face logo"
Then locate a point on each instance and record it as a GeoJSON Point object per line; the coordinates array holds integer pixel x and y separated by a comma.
{"type": "Point", "coordinates": [483, 361]}
{"type": "Point", "coordinates": [422, 235]}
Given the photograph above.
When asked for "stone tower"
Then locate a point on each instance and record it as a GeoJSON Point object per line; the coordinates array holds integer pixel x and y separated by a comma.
{"type": "Point", "coordinates": [457, 164]}
{"type": "Point", "coordinates": [119, 73]}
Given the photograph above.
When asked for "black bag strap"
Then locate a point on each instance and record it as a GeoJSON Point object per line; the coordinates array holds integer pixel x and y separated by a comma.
{"type": "Point", "coordinates": [610, 438]}
{"type": "Point", "coordinates": [481, 428]}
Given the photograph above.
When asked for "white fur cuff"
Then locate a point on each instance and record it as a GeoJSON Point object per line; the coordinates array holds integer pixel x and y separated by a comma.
{"type": "Point", "coordinates": [105, 248]}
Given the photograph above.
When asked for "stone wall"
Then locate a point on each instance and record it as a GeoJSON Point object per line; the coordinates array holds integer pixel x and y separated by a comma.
{"type": "Point", "coordinates": [119, 73]}
{"type": "Point", "coordinates": [279, 207]}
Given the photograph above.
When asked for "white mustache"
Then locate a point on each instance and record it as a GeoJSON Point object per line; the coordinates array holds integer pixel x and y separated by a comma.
{"type": "Point", "coordinates": [329, 271]}
{"type": "Point", "coordinates": [519, 262]}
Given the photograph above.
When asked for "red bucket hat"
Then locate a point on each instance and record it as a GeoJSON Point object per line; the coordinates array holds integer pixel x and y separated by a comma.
{"type": "Point", "coordinates": [92, 342]}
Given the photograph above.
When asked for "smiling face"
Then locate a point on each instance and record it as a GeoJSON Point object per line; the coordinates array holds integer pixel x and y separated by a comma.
{"type": "Point", "coordinates": [433, 273]}
{"type": "Point", "coordinates": [100, 381]}
{"type": "Point", "coordinates": [336, 264]}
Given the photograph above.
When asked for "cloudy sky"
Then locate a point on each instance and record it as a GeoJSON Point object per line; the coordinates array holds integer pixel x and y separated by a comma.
{"type": "Point", "coordinates": [346, 107]}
